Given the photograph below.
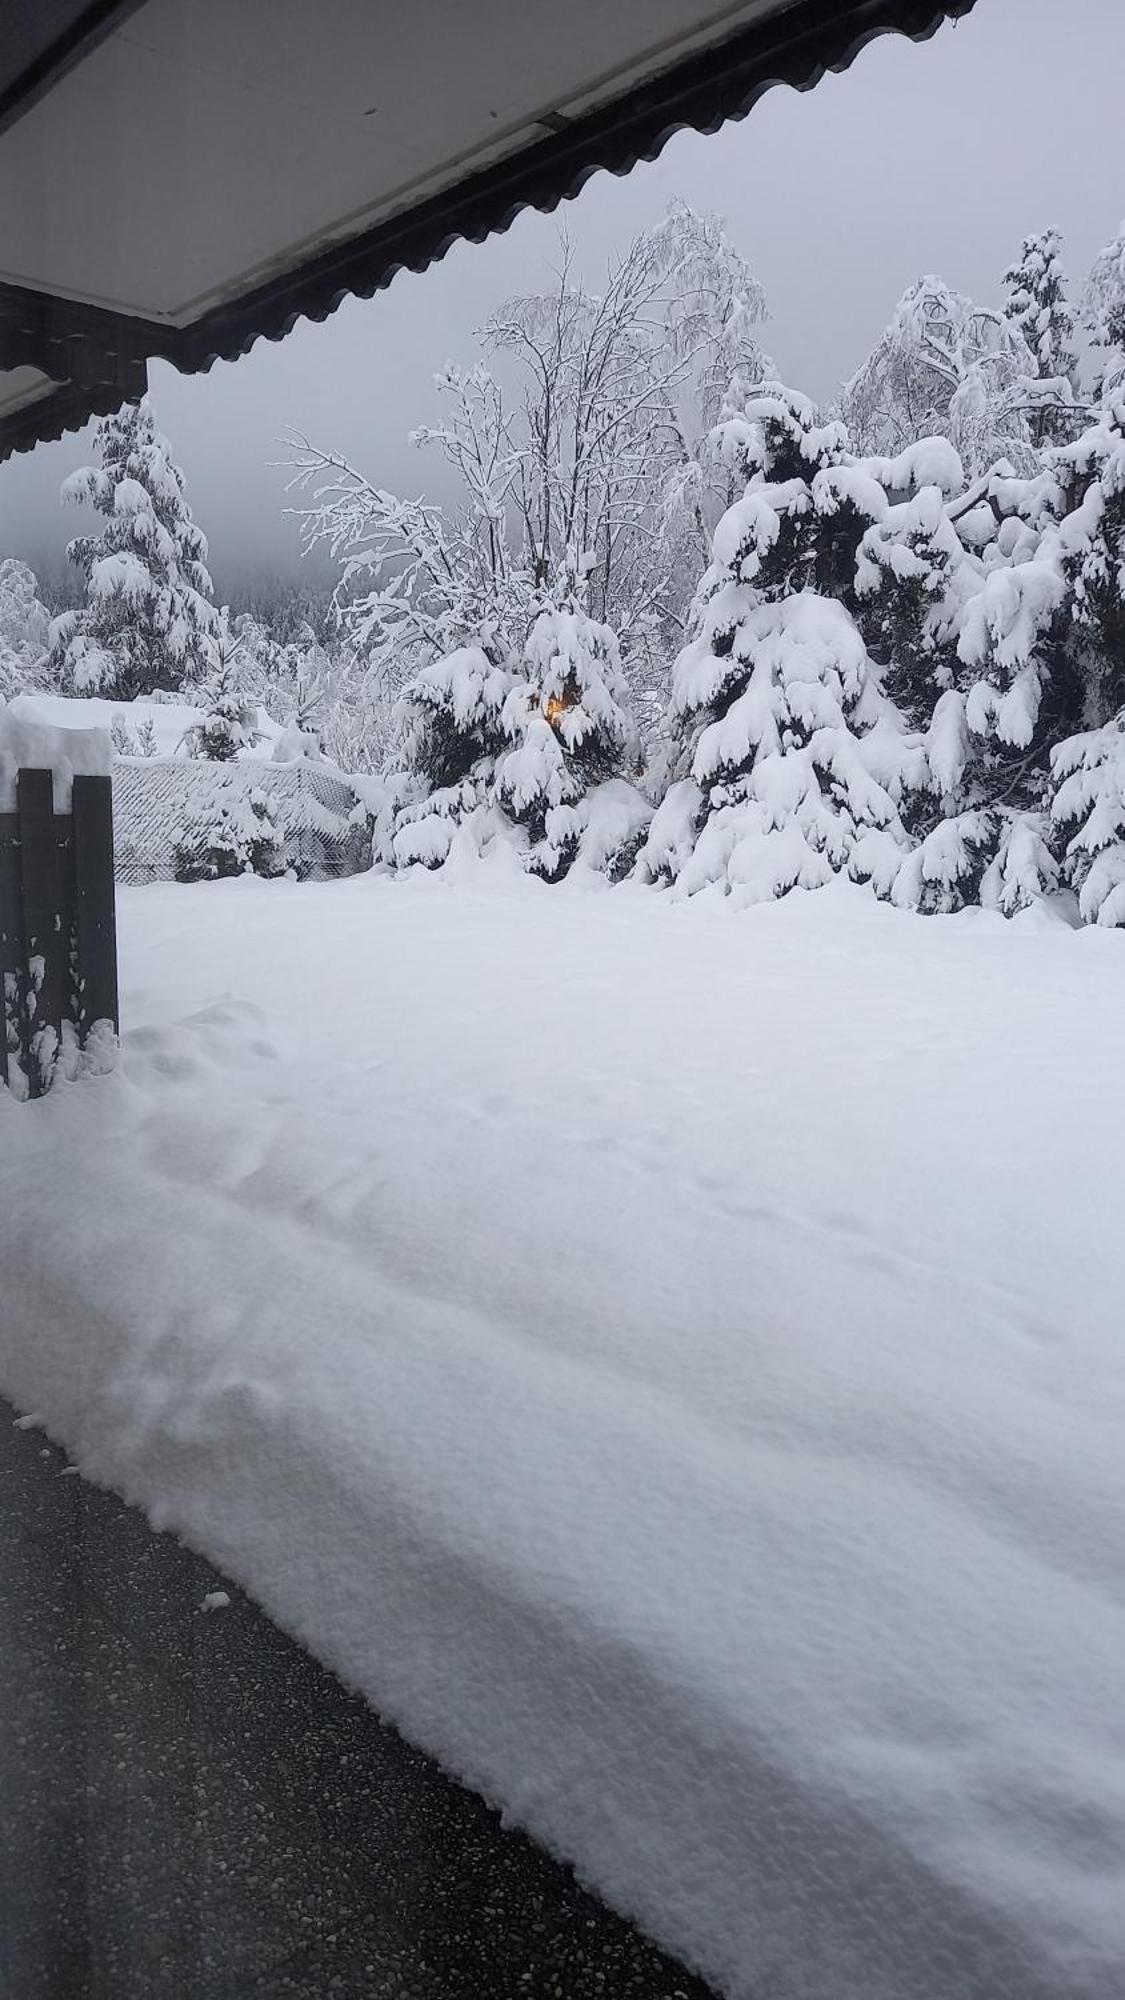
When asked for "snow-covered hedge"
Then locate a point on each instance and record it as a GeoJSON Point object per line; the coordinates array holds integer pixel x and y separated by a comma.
{"type": "Point", "coordinates": [236, 835]}
{"type": "Point", "coordinates": [179, 817]}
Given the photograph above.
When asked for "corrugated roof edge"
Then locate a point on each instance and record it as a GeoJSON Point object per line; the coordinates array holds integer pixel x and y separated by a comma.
{"type": "Point", "coordinates": [701, 93]}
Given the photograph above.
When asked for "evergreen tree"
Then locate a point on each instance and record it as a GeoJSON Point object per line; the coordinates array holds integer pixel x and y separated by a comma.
{"type": "Point", "coordinates": [24, 629]}
{"type": "Point", "coordinates": [1038, 307]}
{"type": "Point", "coordinates": [1088, 769]}
{"type": "Point", "coordinates": [917, 583]}
{"type": "Point", "coordinates": [1088, 811]}
{"type": "Point", "coordinates": [910, 570]}
{"type": "Point", "coordinates": [1039, 667]}
{"type": "Point", "coordinates": [1088, 480]}
{"type": "Point", "coordinates": [148, 622]}
{"type": "Point", "coordinates": [1103, 315]}
{"type": "Point", "coordinates": [1043, 639]}
{"type": "Point", "coordinates": [452, 735]}
{"type": "Point", "coordinates": [983, 838]}
{"type": "Point", "coordinates": [793, 762]}
{"type": "Point", "coordinates": [230, 719]}
{"type": "Point", "coordinates": [537, 742]}
{"type": "Point", "coordinates": [568, 716]}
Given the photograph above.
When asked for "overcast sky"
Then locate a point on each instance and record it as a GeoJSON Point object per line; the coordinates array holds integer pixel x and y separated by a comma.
{"type": "Point", "coordinates": [933, 158]}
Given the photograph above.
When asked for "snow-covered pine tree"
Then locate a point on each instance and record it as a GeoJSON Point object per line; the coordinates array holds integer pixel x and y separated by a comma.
{"type": "Point", "coordinates": [1103, 315]}
{"type": "Point", "coordinates": [982, 834]}
{"type": "Point", "coordinates": [573, 740]}
{"type": "Point", "coordinates": [1039, 308]}
{"type": "Point", "coordinates": [24, 629]}
{"type": "Point", "coordinates": [909, 576]}
{"type": "Point", "coordinates": [1088, 769]}
{"type": "Point", "coordinates": [792, 761]}
{"type": "Point", "coordinates": [914, 578]}
{"type": "Point", "coordinates": [808, 499]}
{"type": "Point", "coordinates": [230, 719]}
{"type": "Point", "coordinates": [148, 621]}
{"type": "Point", "coordinates": [1088, 814]}
{"type": "Point", "coordinates": [300, 738]}
{"type": "Point", "coordinates": [1089, 478]}
{"type": "Point", "coordinates": [451, 736]}
{"type": "Point", "coordinates": [1040, 668]}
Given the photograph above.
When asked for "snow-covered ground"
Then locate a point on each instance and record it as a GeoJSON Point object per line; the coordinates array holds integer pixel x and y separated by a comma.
{"type": "Point", "coordinates": [672, 1361]}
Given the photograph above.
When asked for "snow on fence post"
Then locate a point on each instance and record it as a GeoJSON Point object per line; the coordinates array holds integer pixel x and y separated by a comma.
{"type": "Point", "coordinates": [47, 924]}
{"type": "Point", "coordinates": [58, 956]}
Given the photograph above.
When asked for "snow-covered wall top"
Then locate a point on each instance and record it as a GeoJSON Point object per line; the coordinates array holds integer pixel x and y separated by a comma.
{"type": "Point", "coordinates": [30, 743]}
{"type": "Point", "coordinates": [169, 720]}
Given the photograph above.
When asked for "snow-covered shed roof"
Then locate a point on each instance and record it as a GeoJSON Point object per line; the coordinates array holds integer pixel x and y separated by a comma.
{"type": "Point", "coordinates": [181, 177]}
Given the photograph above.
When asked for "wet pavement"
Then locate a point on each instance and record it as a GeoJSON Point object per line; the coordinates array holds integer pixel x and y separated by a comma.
{"type": "Point", "coordinates": [192, 1809]}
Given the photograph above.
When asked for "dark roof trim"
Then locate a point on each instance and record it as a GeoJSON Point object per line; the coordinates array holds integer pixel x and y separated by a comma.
{"type": "Point", "coordinates": [62, 409]}
{"type": "Point", "coordinates": [80, 344]}
{"type": "Point", "coordinates": [43, 39]}
{"type": "Point", "coordinates": [702, 93]}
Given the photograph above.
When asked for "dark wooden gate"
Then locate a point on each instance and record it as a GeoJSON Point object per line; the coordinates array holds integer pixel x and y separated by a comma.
{"type": "Point", "coordinates": [58, 941]}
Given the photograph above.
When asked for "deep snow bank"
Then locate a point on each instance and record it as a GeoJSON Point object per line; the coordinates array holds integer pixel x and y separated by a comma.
{"type": "Point", "coordinates": [671, 1362]}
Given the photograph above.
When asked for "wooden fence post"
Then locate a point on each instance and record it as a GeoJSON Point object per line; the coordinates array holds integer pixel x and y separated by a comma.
{"type": "Point", "coordinates": [58, 951]}
{"type": "Point", "coordinates": [46, 927]}
{"type": "Point", "coordinates": [11, 939]}
{"type": "Point", "coordinates": [95, 909]}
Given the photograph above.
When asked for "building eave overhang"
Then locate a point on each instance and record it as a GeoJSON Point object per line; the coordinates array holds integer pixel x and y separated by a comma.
{"type": "Point", "coordinates": [97, 358]}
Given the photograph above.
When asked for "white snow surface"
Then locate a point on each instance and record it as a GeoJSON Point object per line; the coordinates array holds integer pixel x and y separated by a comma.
{"type": "Point", "coordinates": [671, 1361]}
